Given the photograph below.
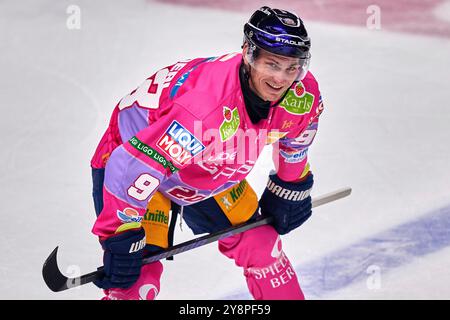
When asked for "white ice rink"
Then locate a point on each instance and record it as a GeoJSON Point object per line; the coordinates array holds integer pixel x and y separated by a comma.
{"type": "Point", "coordinates": [385, 132]}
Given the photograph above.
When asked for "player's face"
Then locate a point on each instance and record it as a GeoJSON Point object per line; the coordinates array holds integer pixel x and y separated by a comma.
{"type": "Point", "coordinates": [271, 75]}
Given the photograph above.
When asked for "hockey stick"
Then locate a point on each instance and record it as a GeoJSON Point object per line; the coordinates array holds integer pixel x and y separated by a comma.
{"type": "Point", "coordinates": [56, 281]}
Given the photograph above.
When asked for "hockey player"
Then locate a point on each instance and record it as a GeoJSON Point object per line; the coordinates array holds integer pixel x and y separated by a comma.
{"type": "Point", "coordinates": [185, 140]}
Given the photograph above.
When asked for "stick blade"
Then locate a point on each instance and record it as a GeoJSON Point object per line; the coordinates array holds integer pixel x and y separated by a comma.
{"type": "Point", "coordinates": [53, 277]}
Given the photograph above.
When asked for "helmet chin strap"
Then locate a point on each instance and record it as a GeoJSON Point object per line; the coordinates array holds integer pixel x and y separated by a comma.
{"type": "Point", "coordinates": [248, 78]}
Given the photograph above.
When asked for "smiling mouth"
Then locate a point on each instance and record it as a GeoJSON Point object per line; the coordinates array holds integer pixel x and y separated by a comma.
{"type": "Point", "coordinates": [273, 86]}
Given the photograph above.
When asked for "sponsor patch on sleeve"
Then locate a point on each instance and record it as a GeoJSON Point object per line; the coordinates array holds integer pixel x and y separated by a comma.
{"type": "Point", "coordinates": [179, 144]}
{"type": "Point", "coordinates": [152, 153]}
{"type": "Point", "coordinates": [294, 156]}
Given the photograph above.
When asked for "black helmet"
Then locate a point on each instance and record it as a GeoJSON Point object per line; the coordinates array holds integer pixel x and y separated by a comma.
{"type": "Point", "coordinates": [279, 32]}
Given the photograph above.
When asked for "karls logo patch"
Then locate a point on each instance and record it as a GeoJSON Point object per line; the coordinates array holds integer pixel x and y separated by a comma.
{"type": "Point", "coordinates": [230, 124]}
{"type": "Point", "coordinates": [129, 215]}
{"type": "Point", "coordinates": [298, 101]}
{"type": "Point", "coordinates": [179, 144]}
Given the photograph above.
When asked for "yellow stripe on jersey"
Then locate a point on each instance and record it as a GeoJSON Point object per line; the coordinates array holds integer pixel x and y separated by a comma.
{"type": "Point", "coordinates": [156, 220]}
{"type": "Point", "coordinates": [238, 203]}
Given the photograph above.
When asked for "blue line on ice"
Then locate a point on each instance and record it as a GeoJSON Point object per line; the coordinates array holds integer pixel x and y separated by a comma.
{"type": "Point", "coordinates": [386, 250]}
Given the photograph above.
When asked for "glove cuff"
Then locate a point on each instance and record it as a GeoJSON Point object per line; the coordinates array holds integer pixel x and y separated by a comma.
{"type": "Point", "coordinates": [130, 241]}
{"type": "Point", "coordinates": [290, 191]}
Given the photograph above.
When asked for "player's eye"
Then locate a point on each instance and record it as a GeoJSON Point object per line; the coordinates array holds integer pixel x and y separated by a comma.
{"type": "Point", "coordinates": [273, 66]}
{"type": "Point", "coordinates": [293, 69]}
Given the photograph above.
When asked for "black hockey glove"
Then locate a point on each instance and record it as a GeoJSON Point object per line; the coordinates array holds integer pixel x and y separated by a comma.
{"type": "Point", "coordinates": [122, 259]}
{"type": "Point", "coordinates": [288, 202]}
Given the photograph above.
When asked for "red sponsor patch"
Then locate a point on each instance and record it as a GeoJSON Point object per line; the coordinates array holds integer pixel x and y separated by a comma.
{"type": "Point", "coordinates": [299, 90]}
{"type": "Point", "coordinates": [227, 114]}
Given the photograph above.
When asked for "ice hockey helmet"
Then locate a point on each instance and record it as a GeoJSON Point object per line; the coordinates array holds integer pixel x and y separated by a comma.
{"type": "Point", "coordinates": [277, 31]}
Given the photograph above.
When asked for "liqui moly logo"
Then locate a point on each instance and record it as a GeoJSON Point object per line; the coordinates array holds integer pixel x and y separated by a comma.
{"type": "Point", "coordinates": [179, 144]}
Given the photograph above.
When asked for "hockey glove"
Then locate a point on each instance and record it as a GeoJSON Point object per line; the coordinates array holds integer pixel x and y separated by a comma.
{"type": "Point", "coordinates": [122, 259]}
{"type": "Point", "coordinates": [288, 202]}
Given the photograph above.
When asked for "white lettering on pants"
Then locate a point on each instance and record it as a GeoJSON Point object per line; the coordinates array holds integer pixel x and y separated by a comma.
{"type": "Point", "coordinates": [279, 273]}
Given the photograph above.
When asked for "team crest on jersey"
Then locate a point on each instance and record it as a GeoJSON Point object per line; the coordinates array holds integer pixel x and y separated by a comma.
{"type": "Point", "coordinates": [230, 124]}
{"type": "Point", "coordinates": [179, 144]}
{"type": "Point", "coordinates": [298, 101]}
{"type": "Point", "coordinates": [129, 215]}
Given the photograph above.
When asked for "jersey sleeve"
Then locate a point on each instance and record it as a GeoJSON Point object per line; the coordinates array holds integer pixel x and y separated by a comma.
{"type": "Point", "coordinates": [290, 154]}
{"type": "Point", "coordinates": [136, 168]}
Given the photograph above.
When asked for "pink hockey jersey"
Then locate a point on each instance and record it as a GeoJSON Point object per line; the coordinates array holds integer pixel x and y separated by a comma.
{"type": "Point", "coordinates": [186, 133]}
